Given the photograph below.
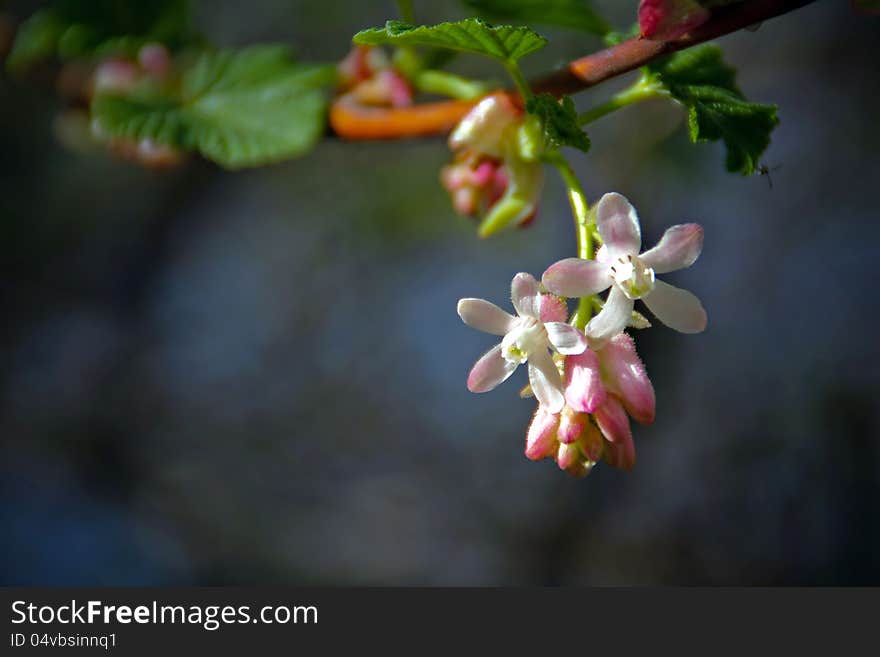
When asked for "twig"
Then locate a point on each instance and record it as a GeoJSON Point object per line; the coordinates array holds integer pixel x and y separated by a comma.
{"type": "Point", "coordinates": [352, 121]}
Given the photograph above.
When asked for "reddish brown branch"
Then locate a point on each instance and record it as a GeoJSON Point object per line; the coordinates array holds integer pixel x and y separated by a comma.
{"type": "Point", "coordinates": [635, 53]}
{"type": "Point", "coordinates": [352, 121]}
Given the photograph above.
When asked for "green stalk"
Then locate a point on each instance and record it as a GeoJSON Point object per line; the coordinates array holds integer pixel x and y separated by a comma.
{"type": "Point", "coordinates": [584, 225]}
{"type": "Point", "coordinates": [644, 89]}
{"type": "Point", "coordinates": [519, 80]}
{"type": "Point", "coordinates": [448, 84]}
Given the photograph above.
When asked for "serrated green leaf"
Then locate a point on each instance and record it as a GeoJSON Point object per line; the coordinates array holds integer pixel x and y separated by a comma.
{"type": "Point", "coordinates": [238, 108]}
{"type": "Point", "coordinates": [472, 35]}
{"type": "Point", "coordinates": [699, 79]}
{"type": "Point", "coordinates": [78, 28]}
{"type": "Point", "coordinates": [576, 14]}
{"type": "Point", "coordinates": [559, 120]}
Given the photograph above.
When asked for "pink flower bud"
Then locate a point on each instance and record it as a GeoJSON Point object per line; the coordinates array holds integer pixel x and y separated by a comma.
{"type": "Point", "coordinates": [620, 454]}
{"type": "Point", "coordinates": [571, 424]}
{"type": "Point", "coordinates": [154, 59]}
{"type": "Point", "coordinates": [591, 442]}
{"type": "Point", "coordinates": [624, 375]}
{"type": "Point", "coordinates": [584, 391]}
{"type": "Point", "coordinates": [361, 63]}
{"type": "Point", "coordinates": [613, 421]}
{"type": "Point", "coordinates": [115, 75]}
{"type": "Point", "coordinates": [397, 88]}
{"type": "Point", "coordinates": [666, 20]}
{"type": "Point", "coordinates": [541, 437]}
{"type": "Point", "coordinates": [568, 455]}
{"type": "Point", "coordinates": [486, 129]}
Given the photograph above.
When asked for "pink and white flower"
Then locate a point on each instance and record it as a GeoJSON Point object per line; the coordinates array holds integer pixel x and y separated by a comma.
{"type": "Point", "coordinates": [538, 327]}
{"type": "Point", "coordinates": [631, 275]}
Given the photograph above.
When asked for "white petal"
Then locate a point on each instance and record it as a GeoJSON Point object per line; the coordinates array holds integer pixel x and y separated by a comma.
{"type": "Point", "coordinates": [485, 316]}
{"type": "Point", "coordinates": [567, 340]}
{"type": "Point", "coordinates": [679, 247]}
{"type": "Point", "coordinates": [490, 371]}
{"type": "Point", "coordinates": [613, 317]}
{"type": "Point", "coordinates": [525, 295]}
{"type": "Point", "coordinates": [546, 382]}
{"type": "Point", "coordinates": [618, 224]}
{"type": "Point", "coordinates": [575, 277]}
{"type": "Point", "coordinates": [677, 308]}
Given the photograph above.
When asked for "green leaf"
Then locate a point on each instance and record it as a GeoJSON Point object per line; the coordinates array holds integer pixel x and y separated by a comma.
{"type": "Point", "coordinates": [559, 120]}
{"type": "Point", "coordinates": [79, 28]}
{"type": "Point", "coordinates": [576, 14]}
{"type": "Point", "coordinates": [238, 108]}
{"type": "Point", "coordinates": [471, 35]}
{"type": "Point", "coordinates": [35, 40]}
{"type": "Point", "coordinates": [699, 79]}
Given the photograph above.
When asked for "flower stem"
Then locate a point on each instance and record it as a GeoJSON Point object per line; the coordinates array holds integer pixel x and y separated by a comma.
{"type": "Point", "coordinates": [584, 225]}
{"type": "Point", "coordinates": [645, 88]}
{"type": "Point", "coordinates": [448, 84]}
{"type": "Point", "coordinates": [519, 80]}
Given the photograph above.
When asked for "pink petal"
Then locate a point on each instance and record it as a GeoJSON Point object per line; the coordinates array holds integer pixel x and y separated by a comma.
{"type": "Point", "coordinates": [490, 371]}
{"type": "Point", "coordinates": [545, 381]}
{"type": "Point", "coordinates": [541, 436]}
{"type": "Point", "coordinates": [679, 247]}
{"type": "Point", "coordinates": [618, 224]}
{"type": "Point", "coordinates": [525, 295]}
{"type": "Point", "coordinates": [575, 277]}
{"type": "Point", "coordinates": [677, 308]}
{"type": "Point", "coordinates": [485, 316]}
{"type": "Point", "coordinates": [584, 391]}
{"type": "Point", "coordinates": [553, 308]}
{"type": "Point", "coordinates": [612, 319]}
{"type": "Point", "coordinates": [483, 128]}
{"type": "Point", "coordinates": [565, 338]}
{"type": "Point", "coordinates": [571, 425]}
{"type": "Point", "coordinates": [613, 421]}
{"type": "Point", "coordinates": [568, 456]}
{"type": "Point", "coordinates": [624, 375]}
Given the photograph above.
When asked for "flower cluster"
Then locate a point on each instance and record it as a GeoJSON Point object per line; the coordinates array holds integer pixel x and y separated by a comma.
{"type": "Point", "coordinates": [80, 81]}
{"type": "Point", "coordinates": [589, 383]}
{"type": "Point", "coordinates": [496, 175]}
{"type": "Point", "coordinates": [368, 75]}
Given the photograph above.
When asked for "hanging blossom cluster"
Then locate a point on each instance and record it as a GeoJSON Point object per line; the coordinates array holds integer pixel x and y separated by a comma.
{"type": "Point", "coordinates": [588, 383]}
{"type": "Point", "coordinates": [495, 176]}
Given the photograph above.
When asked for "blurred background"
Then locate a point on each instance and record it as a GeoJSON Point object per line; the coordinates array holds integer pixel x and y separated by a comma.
{"type": "Point", "coordinates": [259, 377]}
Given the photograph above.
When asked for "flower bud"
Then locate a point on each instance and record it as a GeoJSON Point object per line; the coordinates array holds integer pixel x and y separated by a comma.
{"type": "Point", "coordinates": [541, 437]}
{"type": "Point", "coordinates": [155, 60]}
{"type": "Point", "coordinates": [571, 424]}
{"type": "Point", "coordinates": [495, 131]}
{"type": "Point", "coordinates": [620, 454]}
{"type": "Point", "coordinates": [488, 128]}
{"type": "Point", "coordinates": [584, 391]}
{"type": "Point", "coordinates": [115, 75]}
{"type": "Point", "coordinates": [591, 442]}
{"type": "Point", "coordinates": [624, 375]}
{"type": "Point", "coordinates": [665, 20]}
{"type": "Point", "coordinates": [613, 421]}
